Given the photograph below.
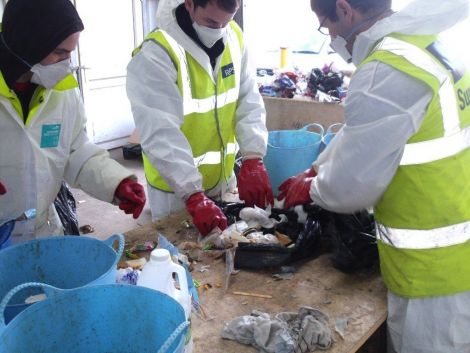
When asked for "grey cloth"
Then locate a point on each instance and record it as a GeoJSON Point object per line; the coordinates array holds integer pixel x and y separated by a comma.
{"type": "Point", "coordinates": [429, 325]}
{"type": "Point", "coordinates": [287, 332]}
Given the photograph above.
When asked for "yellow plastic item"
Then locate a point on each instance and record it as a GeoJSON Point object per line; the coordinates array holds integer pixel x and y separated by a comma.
{"type": "Point", "coordinates": [284, 56]}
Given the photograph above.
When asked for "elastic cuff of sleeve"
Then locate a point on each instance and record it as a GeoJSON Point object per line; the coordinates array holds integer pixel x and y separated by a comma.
{"type": "Point", "coordinates": [185, 197]}
{"type": "Point", "coordinates": [251, 156]}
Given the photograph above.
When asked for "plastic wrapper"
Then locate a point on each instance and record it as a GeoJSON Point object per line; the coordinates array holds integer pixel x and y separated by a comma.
{"type": "Point", "coordinates": [127, 276]}
{"type": "Point", "coordinates": [257, 217]}
{"type": "Point", "coordinates": [67, 210]}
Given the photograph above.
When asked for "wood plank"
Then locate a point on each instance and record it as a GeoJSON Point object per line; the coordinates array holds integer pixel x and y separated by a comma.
{"type": "Point", "coordinates": [359, 298]}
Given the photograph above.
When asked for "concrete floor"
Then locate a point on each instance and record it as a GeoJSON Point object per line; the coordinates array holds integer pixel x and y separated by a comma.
{"type": "Point", "coordinates": [105, 218]}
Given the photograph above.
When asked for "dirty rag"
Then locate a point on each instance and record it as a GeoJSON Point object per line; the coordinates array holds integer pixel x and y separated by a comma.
{"type": "Point", "coordinates": [287, 332]}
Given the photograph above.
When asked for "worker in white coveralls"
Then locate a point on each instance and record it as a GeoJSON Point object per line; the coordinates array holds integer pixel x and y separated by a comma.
{"type": "Point", "coordinates": [405, 151]}
{"type": "Point", "coordinates": [194, 98]}
{"type": "Point", "coordinates": [42, 121]}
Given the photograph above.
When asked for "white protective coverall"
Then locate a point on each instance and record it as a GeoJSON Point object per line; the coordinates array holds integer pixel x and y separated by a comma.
{"type": "Point", "coordinates": [33, 174]}
{"type": "Point", "coordinates": [158, 113]}
{"type": "Point", "coordinates": [359, 163]}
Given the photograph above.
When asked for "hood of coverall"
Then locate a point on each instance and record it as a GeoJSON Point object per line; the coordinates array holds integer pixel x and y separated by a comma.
{"type": "Point", "coordinates": [165, 11]}
{"type": "Point", "coordinates": [420, 17]}
{"type": "Point", "coordinates": [32, 30]}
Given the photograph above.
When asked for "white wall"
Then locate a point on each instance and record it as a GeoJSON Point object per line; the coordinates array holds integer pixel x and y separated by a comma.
{"type": "Point", "coordinates": [270, 24]}
{"type": "Point", "coordinates": [455, 38]}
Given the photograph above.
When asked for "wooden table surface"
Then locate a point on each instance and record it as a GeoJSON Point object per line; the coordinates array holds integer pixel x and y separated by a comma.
{"type": "Point", "coordinates": [361, 299]}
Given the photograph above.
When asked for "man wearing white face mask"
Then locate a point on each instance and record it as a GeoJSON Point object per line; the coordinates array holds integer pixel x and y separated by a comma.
{"type": "Point", "coordinates": [194, 98]}
{"type": "Point", "coordinates": [405, 151]}
{"type": "Point", "coordinates": [42, 121]}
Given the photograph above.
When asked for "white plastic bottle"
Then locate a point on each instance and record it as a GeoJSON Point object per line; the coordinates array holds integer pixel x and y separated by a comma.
{"type": "Point", "coordinates": [158, 274]}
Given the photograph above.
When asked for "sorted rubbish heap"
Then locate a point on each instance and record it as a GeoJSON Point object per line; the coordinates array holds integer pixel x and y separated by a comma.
{"type": "Point", "coordinates": [323, 85]}
{"type": "Point", "coordinates": [277, 237]}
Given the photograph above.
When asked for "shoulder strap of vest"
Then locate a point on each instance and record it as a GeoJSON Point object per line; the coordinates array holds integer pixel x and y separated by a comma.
{"type": "Point", "coordinates": [166, 42]}
{"type": "Point", "coordinates": [238, 31]}
{"type": "Point", "coordinates": [410, 55]}
{"type": "Point", "coordinates": [395, 52]}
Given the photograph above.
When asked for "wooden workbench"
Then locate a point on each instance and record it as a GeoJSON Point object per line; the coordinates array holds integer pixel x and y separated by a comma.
{"type": "Point", "coordinates": [361, 299]}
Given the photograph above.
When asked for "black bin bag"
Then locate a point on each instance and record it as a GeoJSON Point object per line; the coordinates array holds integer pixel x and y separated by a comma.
{"type": "Point", "coordinates": [306, 243]}
{"type": "Point", "coordinates": [350, 239]}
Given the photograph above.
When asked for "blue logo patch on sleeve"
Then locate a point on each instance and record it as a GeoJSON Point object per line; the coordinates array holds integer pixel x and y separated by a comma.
{"type": "Point", "coordinates": [227, 70]}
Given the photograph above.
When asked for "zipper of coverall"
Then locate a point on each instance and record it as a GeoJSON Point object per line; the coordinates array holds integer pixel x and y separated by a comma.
{"type": "Point", "coordinates": [222, 147]}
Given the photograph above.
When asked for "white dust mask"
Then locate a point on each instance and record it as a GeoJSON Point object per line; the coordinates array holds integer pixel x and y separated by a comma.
{"type": "Point", "coordinates": [338, 44]}
{"type": "Point", "coordinates": [49, 75]}
{"type": "Point", "coordinates": [209, 36]}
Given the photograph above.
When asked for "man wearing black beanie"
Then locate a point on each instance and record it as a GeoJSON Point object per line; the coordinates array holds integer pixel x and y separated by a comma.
{"type": "Point", "coordinates": [42, 122]}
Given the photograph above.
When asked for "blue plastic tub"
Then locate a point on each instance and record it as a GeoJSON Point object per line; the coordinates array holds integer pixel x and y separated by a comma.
{"type": "Point", "coordinates": [61, 261]}
{"type": "Point", "coordinates": [330, 133]}
{"type": "Point", "coordinates": [96, 319]}
{"type": "Point", "coordinates": [290, 152]}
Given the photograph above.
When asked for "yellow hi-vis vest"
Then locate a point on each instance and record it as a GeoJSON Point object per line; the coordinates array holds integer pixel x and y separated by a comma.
{"type": "Point", "coordinates": [209, 106]}
{"type": "Point", "coordinates": [423, 218]}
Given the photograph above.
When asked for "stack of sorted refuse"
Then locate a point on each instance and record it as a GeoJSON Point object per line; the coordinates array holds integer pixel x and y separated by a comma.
{"type": "Point", "coordinates": [321, 84]}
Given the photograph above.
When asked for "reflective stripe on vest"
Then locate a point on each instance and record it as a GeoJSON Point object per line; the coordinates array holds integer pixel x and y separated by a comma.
{"type": "Point", "coordinates": [214, 157]}
{"type": "Point", "coordinates": [192, 105]}
{"type": "Point", "coordinates": [424, 239]}
{"type": "Point", "coordinates": [454, 140]}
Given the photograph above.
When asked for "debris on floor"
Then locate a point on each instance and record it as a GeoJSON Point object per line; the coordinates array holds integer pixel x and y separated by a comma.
{"type": "Point", "coordinates": [204, 268]}
{"type": "Point", "coordinates": [341, 324]}
{"type": "Point", "coordinates": [147, 246]}
{"type": "Point", "coordinates": [137, 264]}
{"type": "Point", "coordinates": [130, 255]}
{"type": "Point", "coordinates": [257, 295]}
{"type": "Point", "coordinates": [128, 276]}
{"type": "Point", "coordinates": [283, 276]}
{"type": "Point", "coordinates": [86, 229]}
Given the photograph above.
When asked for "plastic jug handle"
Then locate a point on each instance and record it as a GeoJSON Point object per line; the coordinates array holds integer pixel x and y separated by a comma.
{"type": "Point", "coordinates": [48, 290]}
{"type": "Point", "coordinates": [320, 128]}
{"type": "Point", "coordinates": [182, 328]}
{"type": "Point", "coordinates": [183, 281]}
{"type": "Point", "coordinates": [110, 241]}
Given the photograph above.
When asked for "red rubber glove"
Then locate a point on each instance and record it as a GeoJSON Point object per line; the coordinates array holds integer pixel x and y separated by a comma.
{"type": "Point", "coordinates": [206, 215]}
{"type": "Point", "coordinates": [131, 196]}
{"type": "Point", "coordinates": [3, 189]}
{"type": "Point", "coordinates": [254, 186]}
{"type": "Point", "coordinates": [296, 189]}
